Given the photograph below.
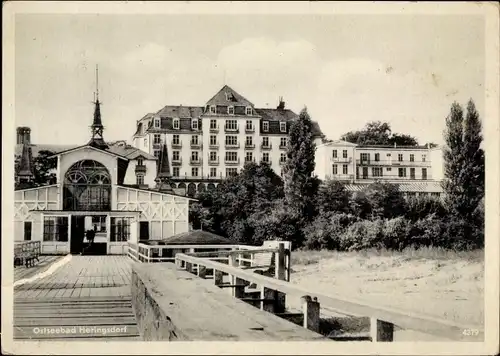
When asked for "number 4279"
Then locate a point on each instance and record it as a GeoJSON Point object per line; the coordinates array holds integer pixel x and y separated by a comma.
{"type": "Point", "coordinates": [470, 332]}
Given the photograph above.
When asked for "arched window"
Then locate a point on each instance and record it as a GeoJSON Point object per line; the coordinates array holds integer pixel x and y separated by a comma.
{"type": "Point", "coordinates": [87, 186]}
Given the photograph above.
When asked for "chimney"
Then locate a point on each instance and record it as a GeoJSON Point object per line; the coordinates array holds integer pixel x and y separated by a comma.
{"type": "Point", "coordinates": [281, 105]}
{"type": "Point", "coordinates": [23, 135]}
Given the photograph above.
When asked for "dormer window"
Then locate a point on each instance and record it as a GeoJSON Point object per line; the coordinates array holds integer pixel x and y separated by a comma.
{"type": "Point", "coordinates": [175, 124]}
{"type": "Point", "coordinates": [157, 123]}
{"type": "Point", "coordinates": [229, 96]}
{"type": "Point", "coordinates": [248, 110]}
{"type": "Point", "coordinates": [230, 110]}
{"type": "Point", "coordinates": [265, 126]}
{"type": "Point", "coordinates": [212, 109]}
{"type": "Point", "coordinates": [140, 161]}
{"type": "Point", "coordinates": [194, 124]}
{"type": "Point", "coordinates": [283, 126]}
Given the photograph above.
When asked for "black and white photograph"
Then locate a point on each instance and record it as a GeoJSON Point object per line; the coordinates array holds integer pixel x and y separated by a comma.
{"type": "Point", "coordinates": [272, 178]}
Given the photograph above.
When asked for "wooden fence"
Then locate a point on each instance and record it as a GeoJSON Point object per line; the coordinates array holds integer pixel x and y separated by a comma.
{"type": "Point", "coordinates": [270, 294]}
{"type": "Point", "coordinates": [26, 251]}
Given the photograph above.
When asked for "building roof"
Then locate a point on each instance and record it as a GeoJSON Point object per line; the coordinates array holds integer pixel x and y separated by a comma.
{"type": "Point", "coordinates": [277, 114]}
{"type": "Point", "coordinates": [197, 237]}
{"type": "Point", "coordinates": [179, 111]}
{"type": "Point", "coordinates": [228, 97]}
{"type": "Point", "coordinates": [417, 187]}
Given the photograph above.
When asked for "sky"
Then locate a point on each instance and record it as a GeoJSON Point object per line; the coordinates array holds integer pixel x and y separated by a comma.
{"type": "Point", "coordinates": [346, 69]}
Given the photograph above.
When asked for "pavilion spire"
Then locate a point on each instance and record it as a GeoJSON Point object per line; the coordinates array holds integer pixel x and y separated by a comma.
{"type": "Point", "coordinates": [163, 171]}
{"type": "Point", "coordinates": [25, 171]}
{"type": "Point", "coordinates": [97, 128]}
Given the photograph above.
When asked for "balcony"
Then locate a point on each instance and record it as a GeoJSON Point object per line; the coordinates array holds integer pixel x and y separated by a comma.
{"type": "Point", "coordinates": [249, 146]}
{"type": "Point", "coordinates": [266, 147]}
{"type": "Point", "coordinates": [140, 168]}
{"type": "Point", "coordinates": [157, 145]}
{"type": "Point", "coordinates": [232, 146]}
{"type": "Point", "coordinates": [232, 162]}
{"type": "Point", "coordinates": [393, 163]}
{"type": "Point", "coordinates": [177, 144]}
{"type": "Point", "coordinates": [342, 177]}
{"type": "Point", "coordinates": [231, 129]}
{"type": "Point", "coordinates": [282, 162]}
{"type": "Point", "coordinates": [195, 161]}
{"type": "Point", "coordinates": [214, 129]}
{"type": "Point", "coordinates": [341, 159]}
{"type": "Point", "coordinates": [213, 162]}
{"type": "Point", "coordinates": [176, 161]}
{"type": "Point", "coordinates": [283, 147]}
{"type": "Point", "coordinates": [269, 162]}
{"type": "Point", "coordinates": [196, 145]}
{"type": "Point", "coordinates": [249, 129]}
{"type": "Point", "coordinates": [213, 146]}
{"type": "Point", "coordinates": [249, 160]}
{"type": "Point", "coordinates": [198, 178]}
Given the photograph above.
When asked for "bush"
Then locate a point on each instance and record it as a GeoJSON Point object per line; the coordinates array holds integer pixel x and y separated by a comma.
{"type": "Point", "coordinates": [422, 207]}
{"type": "Point", "coordinates": [325, 231]}
{"type": "Point", "coordinates": [396, 233]}
{"type": "Point", "coordinates": [363, 234]}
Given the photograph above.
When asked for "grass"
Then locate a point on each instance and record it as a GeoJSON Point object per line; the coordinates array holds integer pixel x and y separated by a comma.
{"type": "Point", "coordinates": [308, 257]}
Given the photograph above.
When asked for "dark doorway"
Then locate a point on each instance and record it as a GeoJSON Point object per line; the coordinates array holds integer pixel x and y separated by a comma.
{"type": "Point", "coordinates": [77, 234]}
{"type": "Point", "coordinates": [27, 230]}
{"type": "Point", "coordinates": [143, 230]}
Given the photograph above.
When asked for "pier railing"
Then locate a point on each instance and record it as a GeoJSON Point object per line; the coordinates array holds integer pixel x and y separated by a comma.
{"type": "Point", "coordinates": [270, 293]}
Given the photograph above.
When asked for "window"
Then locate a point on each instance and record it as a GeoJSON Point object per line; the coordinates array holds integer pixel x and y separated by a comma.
{"type": "Point", "coordinates": [377, 157]}
{"type": "Point", "coordinates": [140, 161]}
{"type": "Point", "coordinates": [194, 124]}
{"type": "Point", "coordinates": [249, 125]}
{"type": "Point", "coordinates": [265, 126]}
{"type": "Point", "coordinates": [231, 156]}
{"type": "Point", "coordinates": [231, 172]}
{"type": "Point", "coordinates": [27, 230]}
{"type": "Point", "coordinates": [213, 172]}
{"type": "Point", "coordinates": [157, 139]}
{"type": "Point", "coordinates": [248, 110]}
{"type": "Point", "coordinates": [156, 153]}
{"type": "Point", "coordinates": [213, 156]}
{"type": "Point", "coordinates": [249, 141]}
{"type": "Point", "coordinates": [424, 158]}
{"type": "Point", "coordinates": [213, 124]}
{"type": "Point", "coordinates": [231, 140]}
{"type": "Point", "coordinates": [230, 110]}
{"type": "Point", "coordinates": [435, 194]}
{"type": "Point", "coordinates": [99, 221]}
{"type": "Point", "coordinates": [212, 109]}
{"type": "Point", "coordinates": [334, 153]}
{"type": "Point", "coordinates": [157, 123]}
{"type": "Point", "coordinates": [335, 169]}
{"type": "Point", "coordinates": [400, 157]}
{"type": "Point", "coordinates": [176, 124]}
{"type": "Point", "coordinates": [213, 140]}
{"type": "Point", "coordinates": [231, 125]}
{"type": "Point", "coordinates": [194, 171]}
{"type": "Point", "coordinates": [265, 141]}
{"type": "Point", "coordinates": [194, 139]}
{"type": "Point", "coordinates": [55, 229]}
{"type": "Point", "coordinates": [175, 140]}
{"type": "Point", "coordinates": [283, 126]}
{"type": "Point", "coordinates": [140, 179]}
{"type": "Point", "coordinates": [145, 142]}
{"type": "Point", "coordinates": [283, 142]}
{"type": "Point", "coordinates": [377, 171]}
{"type": "Point", "coordinates": [412, 158]}
{"type": "Point", "coordinates": [176, 155]}
{"type": "Point", "coordinates": [194, 156]}
{"type": "Point", "coordinates": [424, 173]}
{"type": "Point", "coordinates": [388, 169]}
{"type": "Point", "coordinates": [344, 169]}
{"type": "Point", "coordinates": [175, 171]}
{"type": "Point", "coordinates": [344, 153]}
{"type": "Point", "coordinates": [249, 157]}
{"type": "Point", "coordinates": [402, 172]}
{"type": "Point", "coordinates": [412, 173]}
{"type": "Point", "coordinates": [365, 157]}
{"type": "Point", "coordinates": [120, 229]}
{"type": "Point", "coordinates": [265, 157]}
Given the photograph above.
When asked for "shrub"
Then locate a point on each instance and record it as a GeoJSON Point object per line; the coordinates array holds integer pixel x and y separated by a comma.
{"type": "Point", "coordinates": [325, 231]}
{"type": "Point", "coordinates": [396, 233]}
{"type": "Point", "coordinates": [421, 207]}
{"type": "Point", "coordinates": [363, 234]}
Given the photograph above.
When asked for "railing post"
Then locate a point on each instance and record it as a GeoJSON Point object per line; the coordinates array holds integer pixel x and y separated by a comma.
{"type": "Point", "coordinates": [310, 308]}
{"type": "Point", "coordinates": [231, 263]}
{"type": "Point", "coordinates": [239, 291]}
{"type": "Point", "coordinates": [202, 271]}
{"type": "Point", "coordinates": [267, 297]}
{"type": "Point", "coordinates": [218, 277]}
{"type": "Point", "coordinates": [189, 267]}
{"type": "Point", "coordinates": [280, 262]}
{"type": "Point", "coordinates": [381, 331]}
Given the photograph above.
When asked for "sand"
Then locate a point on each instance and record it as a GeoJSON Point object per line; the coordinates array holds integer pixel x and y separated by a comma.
{"type": "Point", "coordinates": [449, 289]}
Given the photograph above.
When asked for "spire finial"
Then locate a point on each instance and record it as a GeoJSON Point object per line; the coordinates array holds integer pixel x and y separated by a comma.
{"type": "Point", "coordinates": [97, 81]}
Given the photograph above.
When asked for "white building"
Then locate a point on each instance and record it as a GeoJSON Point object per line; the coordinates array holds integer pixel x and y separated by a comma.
{"type": "Point", "coordinates": [211, 142]}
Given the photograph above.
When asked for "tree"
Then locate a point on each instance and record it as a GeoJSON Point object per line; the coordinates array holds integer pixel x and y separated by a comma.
{"type": "Point", "coordinates": [43, 166]}
{"type": "Point", "coordinates": [385, 199]}
{"type": "Point", "coordinates": [300, 185]}
{"type": "Point", "coordinates": [378, 133]}
{"type": "Point", "coordinates": [333, 197]}
{"type": "Point", "coordinates": [463, 162]}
